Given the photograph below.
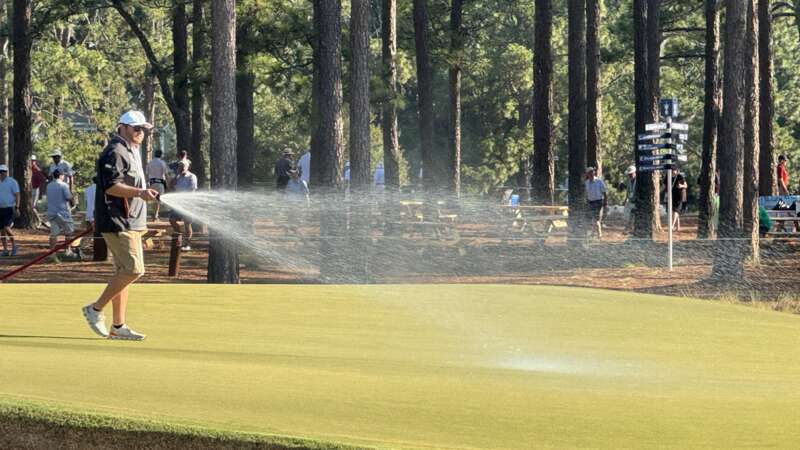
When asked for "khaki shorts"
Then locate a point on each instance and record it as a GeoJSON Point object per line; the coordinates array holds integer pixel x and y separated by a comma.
{"type": "Point", "coordinates": [60, 225]}
{"type": "Point", "coordinates": [126, 247]}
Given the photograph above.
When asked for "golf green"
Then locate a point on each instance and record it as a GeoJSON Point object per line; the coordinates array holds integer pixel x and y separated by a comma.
{"type": "Point", "coordinates": [413, 366]}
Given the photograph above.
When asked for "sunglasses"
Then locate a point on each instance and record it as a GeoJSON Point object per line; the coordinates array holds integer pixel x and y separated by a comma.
{"type": "Point", "coordinates": [138, 129]}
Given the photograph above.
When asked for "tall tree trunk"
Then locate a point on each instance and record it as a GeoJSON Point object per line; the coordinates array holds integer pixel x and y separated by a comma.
{"type": "Point", "coordinates": [729, 254]}
{"type": "Point", "coordinates": [713, 97]}
{"type": "Point", "coordinates": [360, 173]}
{"type": "Point", "coordinates": [457, 55]}
{"type": "Point", "coordinates": [593, 111]}
{"type": "Point", "coordinates": [223, 259]}
{"type": "Point", "coordinates": [245, 124]}
{"type": "Point", "coordinates": [646, 215]}
{"type": "Point", "coordinates": [21, 39]}
{"type": "Point", "coordinates": [4, 58]}
{"type": "Point", "coordinates": [432, 175]}
{"type": "Point", "coordinates": [767, 183]}
{"type": "Point", "coordinates": [391, 146]}
{"type": "Point", "coordinates": [326, 152]}
{"type": "Point", "coordinates": [180, 74]}
{"type": "Point", "coordinates": [577, 114]}
{"type": "Point", "coordinates": [196, 153]}
{"type": "Point", "coordinates": [543, 179]}
{"type": "Point", "coordinates": [149, 107]}
{"type": "Point", "coordinates": [751, 133]}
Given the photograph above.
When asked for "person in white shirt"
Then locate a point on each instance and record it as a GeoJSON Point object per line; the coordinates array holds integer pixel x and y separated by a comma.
{"type": "Point", "coordinates": [597, 200]}
{"type": "Point", "coordinates": [157, 173]}
{"type": "Point", "coordinates": [59, 203]}
{"type": "Point", "coordinates": [304, 164]}
{"type": "Point", "coordinates": [185, 182]}
{"type": "Point", "coordinates": [378, 177]}
{"type": "Point", "coordinates": [64, 167]}
{"type": "Point", "coordinates": [9, 209]}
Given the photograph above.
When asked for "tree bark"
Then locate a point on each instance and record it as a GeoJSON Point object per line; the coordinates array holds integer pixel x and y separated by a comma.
{"type": "Point", "coordinates": [223, 259]}
{"type": "Point", "coordinates": [432, 174]}
{"type": "Point", "coordinates": [360, 173]}
{"type": "Point", "coordinates": [646, 214]}
{"type": "Point", "coordinates": [751, 134]}
{"type": "Point", "coordinates": [767, 182]}
{"type": "Point", "coordinates": [593, 110]}
{"type": "Point", "coordinates": [711, 117]}
{"type": "Point", "coordinates": [5, 151]}
{"type": "Point", "coordinates": [21, 39]}
{"type": "Point", "coordinates": [245, 124]}
{"type": "Point", "coordinates": [149, 107]}
{"type": "Point", "coordinates": [577, 114]}
{"type": "Point", "coordinates": [326, 152]}
{"type": "Point", "coordinates": [391, 146]}
{"type": "Point", "coordinates": [180, 72]}
{"type": "Point", "coordinates": [457, 55]}
{"type": "Point", "coordinates": [196, 153]}
{"type": "Point", "coordinates": [543, 179]}
{"type": "Point", "coordinates": [729, 254]}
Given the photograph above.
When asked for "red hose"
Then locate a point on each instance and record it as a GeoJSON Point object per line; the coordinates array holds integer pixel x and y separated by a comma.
{"type": "Point", "coordinates": [45, 255]}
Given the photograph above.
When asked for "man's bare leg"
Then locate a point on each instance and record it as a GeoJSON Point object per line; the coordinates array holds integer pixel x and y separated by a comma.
{"type": "Point", "coordinates": [116, 292]}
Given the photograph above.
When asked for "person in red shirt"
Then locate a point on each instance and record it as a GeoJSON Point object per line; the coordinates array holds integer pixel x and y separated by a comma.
{"type": "Point", "coordinates": [783, 176]}
{"type": "Point", "coordinates": [37, 180]}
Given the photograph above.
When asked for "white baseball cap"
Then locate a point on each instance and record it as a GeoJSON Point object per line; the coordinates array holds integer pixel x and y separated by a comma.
{"type": "Point", "coordinates": [3, 168]}
{"type": "Point", "coordinates": [33, 157]}
{"type": "Point", "coordinates": [56, 152]}
{"type": "Point", "coordinates": [135, 119]}
{"type": "Point", "coordinates": [631, 169]}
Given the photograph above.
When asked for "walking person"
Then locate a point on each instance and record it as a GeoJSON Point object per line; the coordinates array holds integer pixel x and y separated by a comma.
{"type": "Point", "coordinates": [157, 172]}
{"type": "Point", "coordinates": [282, 168]}
{"type": "Point", "coordinates": [59, 213]}
{"type": "Point", "coordinates": [63, 166]}
{"type": "Point", "coordinates": [9, 209]}
{"type": "Point", "coordinates": [783, 176]}
{"type": "Point", "coordinates": [597, 200]}
{"type": "Point", "coordinates": [121, 216]}
{"type": "Point", "coordinates": [630, 197]}
{"type": "Point", "coordinates": [680, 194]}
{"type": "Point", "coordinates": [186, 181]}
{"type": "Point", "coordinates": [38, 180]}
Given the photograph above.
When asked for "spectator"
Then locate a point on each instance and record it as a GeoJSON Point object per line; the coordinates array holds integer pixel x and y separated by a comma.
{"type": "Point", "coordinates": [783, 176]}
{"type": "Point", "coordinates": [680, 191]}
{"type": "Point", "coordinates": [304, 165]}
{"type": "Point", "coordinates": [59, 203]}
{"type": "Point", "coordinates": [157, 172]}
{"type": "Point", "coordinates": [715, 205]}
{"type": "Point", "coordinates": [597, 200]}
{"type": "Point", "coordinates": [89, 193]}
{"type": "Point", "coordinates": [63, 167]}
{"type": "Point", "coordinates": [186, 181]}
{"type": "Point", "coordinates": [282, 168]}
{"type": "Point", "coordinates": [9, 209]}
{"type": "Point", "coordinates": [297, 188]}
{"type": "Point", "coordinates": [38, 180]}
{"type": "Point", "coordinates": [183, 157]}
{"type": "Point", "coordinates": [378, 178]}
{"type": "Point", "coordinates": [630, 197]}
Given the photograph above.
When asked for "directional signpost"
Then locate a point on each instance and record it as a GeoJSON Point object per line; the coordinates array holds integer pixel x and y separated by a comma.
{"type": "Point", "coordinates": [661, 148]}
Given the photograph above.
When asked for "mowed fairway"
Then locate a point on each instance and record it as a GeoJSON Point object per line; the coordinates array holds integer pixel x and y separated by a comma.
{"type": "Point", "coordinates": [417, 365]}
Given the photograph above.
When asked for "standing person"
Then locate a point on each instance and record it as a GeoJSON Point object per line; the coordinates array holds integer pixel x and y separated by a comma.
{"type": "Point", "coordinates": [121, 216]}
{"type": "Point", "coordinates": [59, 203]}
{"type": "Point", "coordinates": [63, 166]}
{"type": "Point", "coordinates": [680, 190]}
{"type": "Point", "coordinates": [185, 182]}
{"type": "Point", "coordinates": [90, 194]}
{"type": "Point", "coordinates": [157, 172]}
{"type": "Point", "coordinates": [38, 181]}
{"type": "Point", "coordinates": [630, 197]}
{"type": "Point", "coordinates": [597, 200]}
{"type": "Point", "coordinates": [297, 188]}
{"type": "Point", "coordinates": [304, 165]}
{"type": "Point", "coordinates": [378, 180]}
{"type": "Point", "coordinates": [282, 168]}
{"type": "Point", "coordinates": [783, 176]}
{"type": "Point", "coordinates": [9, 209]}
{"type": "Point", "coordinates": [183, 157]}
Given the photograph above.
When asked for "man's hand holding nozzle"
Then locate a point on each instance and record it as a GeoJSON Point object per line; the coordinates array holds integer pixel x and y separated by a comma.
{"type": "Point", "coordinates": [148, 195]}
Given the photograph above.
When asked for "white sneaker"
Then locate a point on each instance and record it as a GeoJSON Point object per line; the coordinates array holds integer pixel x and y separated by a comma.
{"type": "Point", "coordinates": [125, 333]}
{"type": "Point", "coordinates": [95, 319]}
{"type": "Point", "coordinates": [186, 248]}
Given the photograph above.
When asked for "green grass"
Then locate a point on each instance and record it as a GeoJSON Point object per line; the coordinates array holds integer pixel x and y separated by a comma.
{"type": "Point", "coordinates": [410, 366]}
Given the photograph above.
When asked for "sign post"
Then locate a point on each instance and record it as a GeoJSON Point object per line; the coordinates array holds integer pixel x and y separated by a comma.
{"type": "Point", "coordinates": [661, 148]}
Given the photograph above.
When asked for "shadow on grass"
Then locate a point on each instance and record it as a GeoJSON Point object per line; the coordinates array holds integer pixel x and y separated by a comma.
{"type": "Point", "coordinates": [21, 336]}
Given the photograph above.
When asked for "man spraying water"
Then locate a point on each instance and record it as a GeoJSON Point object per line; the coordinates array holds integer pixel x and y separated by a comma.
{"type": "Point", "coordinates": [121, 217]}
